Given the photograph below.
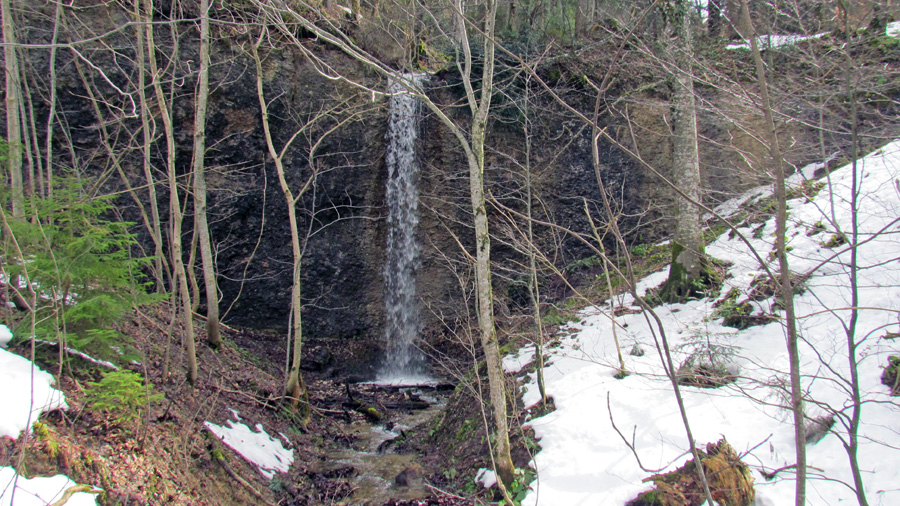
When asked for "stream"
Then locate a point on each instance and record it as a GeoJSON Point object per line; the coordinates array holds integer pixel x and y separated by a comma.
{"type": "Point", "coordinates": [372, 455]}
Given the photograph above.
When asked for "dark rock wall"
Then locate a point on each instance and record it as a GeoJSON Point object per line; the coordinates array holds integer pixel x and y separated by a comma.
{"type": "Point", "coordinates": [343, 213]}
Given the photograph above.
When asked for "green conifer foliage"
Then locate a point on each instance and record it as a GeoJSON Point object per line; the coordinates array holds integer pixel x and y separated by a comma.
{"type": "Point", "coordinates": [122, 395]}
{"type": "Point", "coordinates": [81, 265]}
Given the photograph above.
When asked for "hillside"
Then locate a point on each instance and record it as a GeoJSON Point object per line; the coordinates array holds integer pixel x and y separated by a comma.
{"type": "Point", "coordinates": [584, 455]}
{"type": "Point", "coordinates": [449, 252]}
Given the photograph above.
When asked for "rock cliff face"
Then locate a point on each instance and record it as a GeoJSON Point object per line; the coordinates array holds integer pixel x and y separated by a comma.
{"type": "Point", "coordinates": [343, 280]}
{"type": "Point", "coordinates": [343, 212]}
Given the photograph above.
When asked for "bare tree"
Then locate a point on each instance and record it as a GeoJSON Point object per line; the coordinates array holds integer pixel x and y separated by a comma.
{"type": "Point", "coordinates": [785, 282]}
{"type": "Point", "coordinates": [176, 215]}
{"type": "Point", "coordinates": [320, 123]}
{"type": "Point", "coordinates": [472, 141]}
{"type": "Point", "coordinates": [199, 172]}
{"type": "Point", "coordinates": [688, 269]}
{"type": "Point", "coordinates": [13, 104]}
{"type": "Point", "coordinates": [294, 387]}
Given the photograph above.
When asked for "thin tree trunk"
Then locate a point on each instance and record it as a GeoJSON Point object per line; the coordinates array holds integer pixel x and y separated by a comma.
{"type": "Point", "coordinates": [533, 285]}
{"type": "Point", "coordinates": [13, 119]}
{"type": "Point", "coordinates": [295, 386]}
{"type": "Point", "coordinates": [191, 269]}
{"type": "Point", "coordinates": [155, 230]}
{"type": "Point", "coordinates": [786, 289]}
{"type": "Point", "coordinates": [581, 17]}
{"type": "Point", "coordinates": [665, 352]}
{"type": "Point", "coordinates": [852, 446]}
{"type": "Point", "coordinates": [199, 171]}
{"type": "Point", "coordinates": [484, 290]}
{"type": "Point", "coordinates": [51, 115]}
{"type": "Point", "coordinates": [175, 214]}
{"type": "Point", "coordinates": [714, 17]}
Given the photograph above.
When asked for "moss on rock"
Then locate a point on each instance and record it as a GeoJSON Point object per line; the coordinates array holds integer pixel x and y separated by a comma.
{"type": "Point", "coordinates": [730, 481]}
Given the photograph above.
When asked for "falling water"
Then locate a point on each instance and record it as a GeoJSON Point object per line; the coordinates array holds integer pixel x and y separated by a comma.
{"type": "Point", "coordinates": [404, 362]}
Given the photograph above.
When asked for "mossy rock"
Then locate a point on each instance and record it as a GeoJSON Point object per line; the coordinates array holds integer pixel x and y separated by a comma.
{"type": "Point", "coordinates": [891, 375]}
{"type": "Point", "coordinates": [730, 481]}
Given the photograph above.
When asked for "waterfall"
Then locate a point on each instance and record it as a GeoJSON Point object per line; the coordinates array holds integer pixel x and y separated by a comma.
{"type": "Point", "coordinates": [404, 362]}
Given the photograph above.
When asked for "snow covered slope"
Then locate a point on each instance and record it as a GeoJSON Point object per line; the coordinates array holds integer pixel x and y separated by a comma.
{"type": "Point", "coordinates": [583, 461]}
{"type": "Point", "coordinates": [27, 392]}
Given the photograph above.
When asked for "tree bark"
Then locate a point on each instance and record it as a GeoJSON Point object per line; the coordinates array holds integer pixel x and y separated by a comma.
{"type": "Point", "coordinates": [786, 289]}
{"type": "Point", "coordinates": [13, 119]}
{"type": "Point", "coordinates": [686, 272]}
{"type": "Point", "coordinates": [199, 170]}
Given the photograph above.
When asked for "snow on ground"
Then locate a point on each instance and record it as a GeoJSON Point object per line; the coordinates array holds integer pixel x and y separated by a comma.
{"type": "Point", "coordinates": [775, 41]}
{"type": "Point", "coordinates": [893, 29]}
{"type": "Point", "coordinates": [583, 461]}
{"type": "Point", "coordinates": [257, 447]}
{"type": "Point", "coordinates": [27, 392]}
{"type": "Point", "coordinates": [5, 336]}
{"type": "Point", "coordinates": [39, 491]}
{"type": "Point", "coordinates": [486, 477]}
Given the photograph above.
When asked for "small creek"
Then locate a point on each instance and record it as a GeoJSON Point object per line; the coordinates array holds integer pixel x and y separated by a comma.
{"type": "Point", "coordinates": [372, 454]}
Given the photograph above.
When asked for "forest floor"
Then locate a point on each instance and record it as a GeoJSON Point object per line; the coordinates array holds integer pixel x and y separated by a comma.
{"type": "Point", "coordinates": [169, 454]}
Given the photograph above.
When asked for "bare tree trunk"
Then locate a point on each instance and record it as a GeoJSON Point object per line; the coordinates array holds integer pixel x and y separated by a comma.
{"type": "Point", "coordinates": [852, 446]}
{"type": "Point", "coordinates": [484, 290]}
{"type": "Point", "coordinates": [714, 17]}
{"type": "Point", "coordinates": [294, 387]}
{"type": "Point", "coordinates": [664, 350]}
{"type": "Point", "coordinates": [146, 119]}
{"type": "Point", "coordinates": [583, 17]}
{"type": "Point", "coordinates": [786, 288]}
{"type": "Point", "coordinates": [199, 171]}
{"type": "Point", "coordinates": [534, 286]}
{"type": "Point", "coordinates": [175, 213]}
{"type": "Point", "coordinates": [686, 271]}
{"type": "Point", "coordinates": [505, 11]}
{"type": "Point", "coordinates": [13, 119]}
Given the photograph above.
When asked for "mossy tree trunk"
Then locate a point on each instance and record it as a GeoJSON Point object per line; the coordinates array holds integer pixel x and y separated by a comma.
{"type": "Point", "coordinates": [687, 273]}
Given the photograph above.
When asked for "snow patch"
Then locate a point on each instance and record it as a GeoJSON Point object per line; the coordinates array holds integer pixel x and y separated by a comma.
{"type": "Point", "coordinates": [257, 447]}
{"type": "Point", "coordinates": [514, 363]}
{"type": "Point", "coordinates": [486, 477]}
{"type": "Point", "coordinates": [5, 336]}
{"type": "Point", "coordinates": [39, 491]}
{"type": "Point", "coordinates": [26, 394]}
{"type": "Point", "coordinates": [775, 41]}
